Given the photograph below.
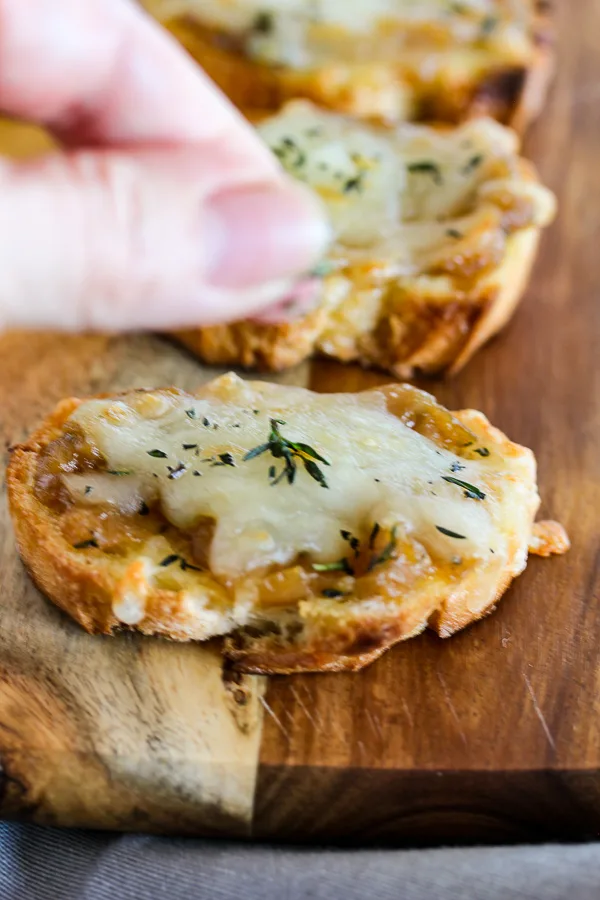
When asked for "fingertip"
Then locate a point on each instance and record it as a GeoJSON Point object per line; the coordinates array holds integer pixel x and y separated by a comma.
{"type": "Point", "coordinates": [262, 233]}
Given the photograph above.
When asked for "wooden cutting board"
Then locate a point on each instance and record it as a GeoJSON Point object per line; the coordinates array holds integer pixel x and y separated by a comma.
{"type": "Point", "coordinates": [492, 735]}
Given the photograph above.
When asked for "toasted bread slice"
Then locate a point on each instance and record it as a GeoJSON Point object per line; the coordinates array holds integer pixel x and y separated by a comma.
{"type": "Point", "coordinates": [436, 232]}
{"type": "Point", "coordinates": [390, 60]}
{"type": "Point", "coordinates": [314, 530]}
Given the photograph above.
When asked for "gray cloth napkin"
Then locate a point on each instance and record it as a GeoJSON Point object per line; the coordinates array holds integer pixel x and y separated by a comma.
{"type": "Point", "coordinates": [38, 863]}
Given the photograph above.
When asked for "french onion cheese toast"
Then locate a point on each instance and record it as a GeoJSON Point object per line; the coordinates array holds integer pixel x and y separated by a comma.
{"type": "Point", "coordinates": [388, 60]}
{"type": "Point", "coordinates": [435, 235]}
{"type": "Point", "coordinates": [314, 531]}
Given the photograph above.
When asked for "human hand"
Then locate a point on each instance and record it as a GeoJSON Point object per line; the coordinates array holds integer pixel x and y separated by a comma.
{"type": "Point", "coordinates": [164, 210]}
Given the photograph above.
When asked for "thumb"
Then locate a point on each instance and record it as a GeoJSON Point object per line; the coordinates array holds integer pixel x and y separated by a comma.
{"type": "Point", "coordinates": [167, 238]}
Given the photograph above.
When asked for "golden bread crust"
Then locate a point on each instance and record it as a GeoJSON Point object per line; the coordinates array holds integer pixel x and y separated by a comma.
{"type": "Point", "coordinates": [511, 93]}
{"type": "Point", "coordinates": [413, 333]}
{"type": "Point", "coordinates": [90, 584]}
{"type": "Point", "coordinates": [406, 304]}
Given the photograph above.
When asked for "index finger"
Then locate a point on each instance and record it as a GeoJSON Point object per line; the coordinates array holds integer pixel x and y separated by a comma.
{"type": "Point", "coordinates": [103, 72]}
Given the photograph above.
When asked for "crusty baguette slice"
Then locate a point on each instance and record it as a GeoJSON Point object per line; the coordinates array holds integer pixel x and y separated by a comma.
{"type": "Point", "coordinates": [436, 232]}
{"type": "Point", "coordinates": [314, 530]}
{"type": "Point", "coordinates": [389, 62]}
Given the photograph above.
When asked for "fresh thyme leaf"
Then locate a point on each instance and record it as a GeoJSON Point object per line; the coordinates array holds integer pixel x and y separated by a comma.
{"type": "Point", "coordinates": [185, 565]}
{"type": "Point", "coordinates": [206, 422]}
{"type": "Point", "coordinates": [118, 472]}
{"type": "Point", "coordinates": [191, 413]}
{"type": "Point", "coordinates": [257, 451]}
{"type": "Point", "coordinates": [189, 446]}
{"type": "Point", "coordinates": [427, 167]}
{"type": "Point", "coordinates": [169, 560]}
{"type": "Point", "coordinates": [333, 593]}
{"type": "Point", "coordinates": [342, 565]}
{"type": "Point", "coordinates": [144, 509]}
{"type": "Point", "coordinates": [306, 450]}
{"type": "Point", "coordinates": [353, 541]}
{"type": "Point", "coordinates": [373, 535]}
{"type": "Point", "coordinates": [225, 459]}
{"type": "Point", "coordinates": [454, 233]}
{"type": "Point", "coordinates": [473, 164]}
{"type": "Point", "coordinates": [157, 454]}
{"type": "Point", "coordinates": [84, 545]}
{"type": "Point", "coordinates": [263, 23]}
{"type": "Point", "coordinates": [488, 25]}
{"type": "Point", "coordinates": [290, 153]}
{"type": "Point", "coordinates": [457, 467]}
{"type": "Point", "coordinates": [88, 489]}
{"type": "Point", "coordinates": [272, 471]}
{"type": "Point", "coordinates": [315, 472]}
{"type": "Point", "coordinates": [483, 451]}
{"type": "Point", "coordinates": [471, 491]}
{"type": "Point", "coordinates": [353, 184]}
{"type": "Point", "coordinates": [452, 534]}
{"type": "Point", "coordinates": [387, 552]}
{"type": "Point", "coordinates": [196, 473]}
{"type": "Point", "coordinates": [290, 468]}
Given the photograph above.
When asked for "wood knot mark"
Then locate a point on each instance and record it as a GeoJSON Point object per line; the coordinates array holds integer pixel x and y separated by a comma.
{"type": "Point", "coordinates": [14, 795]}
{"type": "Point", "coordinates": [240, 694]}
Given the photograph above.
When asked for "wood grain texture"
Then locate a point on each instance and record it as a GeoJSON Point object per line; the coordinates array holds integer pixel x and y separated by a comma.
{"type": "Point", "coordinates": [498, 727]}
{"type": "Point", "coordinates": [117, 733]}
{"type": "Point", "coordinates": [492, 735]}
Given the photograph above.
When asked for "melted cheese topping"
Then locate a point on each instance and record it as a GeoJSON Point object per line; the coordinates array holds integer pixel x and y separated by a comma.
{"type": "Point", "coordinates": [301, 34]}
{"type": "Point", "coordinates": [381, 470]}
{"type": "Point", "coordinates": [401, 190]}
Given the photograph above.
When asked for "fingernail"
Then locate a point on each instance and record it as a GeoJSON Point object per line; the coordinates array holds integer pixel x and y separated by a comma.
{"type": "Point", "coordinates": [261, 234]}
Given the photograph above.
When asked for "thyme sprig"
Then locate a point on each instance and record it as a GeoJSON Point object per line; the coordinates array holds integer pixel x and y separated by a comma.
{"type": "Point", "coordinates": [427, 167]}
{"type": "Point", "coordinates": [289, 451]}
{"type": "Point", "coordinates": [376, 559]}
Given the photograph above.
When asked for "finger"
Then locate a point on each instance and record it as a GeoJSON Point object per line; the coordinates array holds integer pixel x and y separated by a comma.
{"type": "Point", "coordinates": [161, 239]}
{"type": "Point", "coordinates": [299, 302]}
{"type": "Point", "coordinates": [102, 71]}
